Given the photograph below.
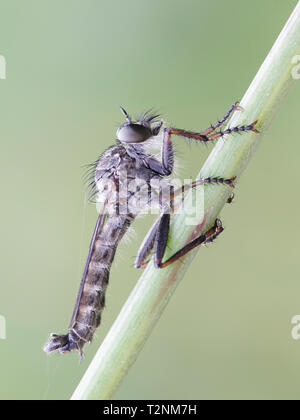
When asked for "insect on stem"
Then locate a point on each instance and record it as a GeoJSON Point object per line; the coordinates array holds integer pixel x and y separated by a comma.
{"type": "Point", "coordinates": [122, 178]}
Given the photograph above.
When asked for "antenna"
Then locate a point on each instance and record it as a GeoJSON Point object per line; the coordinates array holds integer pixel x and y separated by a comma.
{"type": "Point", "coordinates": [125, 113]}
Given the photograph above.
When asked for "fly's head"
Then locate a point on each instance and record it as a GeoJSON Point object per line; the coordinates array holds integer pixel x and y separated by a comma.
{"type": "Point", "coordinates": [138, 131]}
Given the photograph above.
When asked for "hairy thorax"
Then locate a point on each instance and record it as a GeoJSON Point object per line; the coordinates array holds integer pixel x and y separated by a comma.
{"type": "Point", "coordinates": [123, 181]}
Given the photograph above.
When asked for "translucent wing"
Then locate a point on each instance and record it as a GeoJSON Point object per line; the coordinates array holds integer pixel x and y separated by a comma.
{"type": "Point", "coordinates": [99, 224]}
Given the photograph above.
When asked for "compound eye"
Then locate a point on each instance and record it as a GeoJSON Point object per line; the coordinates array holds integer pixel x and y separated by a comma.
{"type": "Point", "coordinates": [133, 133]}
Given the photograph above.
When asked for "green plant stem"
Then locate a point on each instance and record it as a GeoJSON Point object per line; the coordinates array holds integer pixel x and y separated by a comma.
{"type": "Point", "coordinates": [229, 157]}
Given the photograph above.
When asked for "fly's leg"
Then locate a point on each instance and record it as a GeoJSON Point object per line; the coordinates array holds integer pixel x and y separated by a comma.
{"type": "Point", "coordinates": [162, 239]}
{"type": "Point", "coordinates": [169, 200]}
{"type": "Point", "coordinates": [201, 136]}
{"type": "Point", "coordinates": [202, 181]}
{"type": "Point", "coordinates": [147, 246]}
{"type": "Point", "coordinates": [148, 242]}
{"type": "Point", "coordinates": [204, 136]}
{"type": "Point", "coordinates": [162, 229]}
{"type": "Point", "coordinates": [158, 238]}
{"type": "Point", "coordinates": [165, 168]}
{"type": "Point", "coordinates": [158, 233]}
{"type": "Point", "coordinates": [238, 129]}
{"type": "Point", "coordinates": [234, 107]}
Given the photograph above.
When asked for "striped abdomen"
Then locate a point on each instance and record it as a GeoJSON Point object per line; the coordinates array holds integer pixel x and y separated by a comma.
{"type": "Point", "coordinates": [91, 297]}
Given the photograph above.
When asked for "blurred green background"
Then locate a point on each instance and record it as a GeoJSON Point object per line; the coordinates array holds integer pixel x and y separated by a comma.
{"type": "Point", "coordinates": [227, 330]}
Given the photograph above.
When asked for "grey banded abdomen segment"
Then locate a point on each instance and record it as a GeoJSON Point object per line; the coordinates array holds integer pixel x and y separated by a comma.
{"type": "Point", "coordinates": [92, 299]}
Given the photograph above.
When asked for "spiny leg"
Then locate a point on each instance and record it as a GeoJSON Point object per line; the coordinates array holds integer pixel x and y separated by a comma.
{"type": "Point", "coordinates": [162, 239]}
{"type": "Point", "coordinates": [203, 137]}
{"type": "Point", "coordinates": [169, 199]}
{"type": "Point", "coordinates": [165, 167]}
{"type": "Point", "coordinates": [202, 181]}
{"type": "Point", "coordinates": [238, 129]}
{"type": "Point", "coordinates": [234, 107]}
{"type": "Point", "coordinates": [147, 246]}
{"type": "Point", "coordinates": [149, 241]}
{"type": "Point", "coordinates": [167, 149]}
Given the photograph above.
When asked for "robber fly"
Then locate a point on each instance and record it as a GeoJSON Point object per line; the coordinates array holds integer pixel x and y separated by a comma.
{"type": "Point", "coordinates": [113, 173]}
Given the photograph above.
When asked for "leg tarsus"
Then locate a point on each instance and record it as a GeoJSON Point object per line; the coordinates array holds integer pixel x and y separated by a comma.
{"type": "Point", "coordinates": [165, 168]}
{"type": "Point", "coordinates": [158, 234]}
{"type": "Point", "coordinates": [235, 107]}
{"type": "Point", "coordinates": [237, 129]}
{"type": "Point", "coordinates": [205, 238]}
{"type": "Point", "coordinates": [200, 181]}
